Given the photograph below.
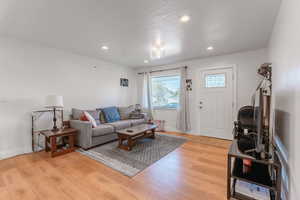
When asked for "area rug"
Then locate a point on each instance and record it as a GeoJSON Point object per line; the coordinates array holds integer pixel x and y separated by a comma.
{"type": "Point", "coordinates": [146, 152]}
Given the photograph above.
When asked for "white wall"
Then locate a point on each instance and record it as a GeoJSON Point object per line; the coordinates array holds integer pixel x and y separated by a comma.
{"type": "Point", "coordinates": [30, 72]}
{"type": "Point", "coordinates": [247, 81]}
{"type": "Point", "coordinates": [285, 54]}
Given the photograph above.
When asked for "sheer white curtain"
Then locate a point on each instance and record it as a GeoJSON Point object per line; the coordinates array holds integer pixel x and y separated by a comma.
{"type": "Point", "coordinates": [147, 103]}
{"type": "Point", "coordinates": [183, 111]}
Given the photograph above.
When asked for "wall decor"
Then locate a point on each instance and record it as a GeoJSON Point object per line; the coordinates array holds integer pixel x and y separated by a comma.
{"type": "Point", "coordinates": [124, 82]}
{"type": "Point", "coordinates": [189, 84]}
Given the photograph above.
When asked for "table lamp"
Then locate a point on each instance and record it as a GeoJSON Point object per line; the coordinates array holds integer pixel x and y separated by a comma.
{"type": "Point", "coordinates": [54, 102]}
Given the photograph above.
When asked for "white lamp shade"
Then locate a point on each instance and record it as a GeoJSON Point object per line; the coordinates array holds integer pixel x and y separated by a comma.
{"type": "Point", "coordinates": [54, 101]}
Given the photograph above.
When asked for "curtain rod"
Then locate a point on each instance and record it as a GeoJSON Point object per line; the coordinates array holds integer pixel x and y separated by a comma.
{"type": "Point", "coordinates": [162, 70]}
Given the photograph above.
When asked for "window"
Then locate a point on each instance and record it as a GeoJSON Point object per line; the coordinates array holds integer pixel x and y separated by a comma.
{"type": "Point", "coordinates": [215, 80]}
{"type": "Point", "coordinates": [165, 92]}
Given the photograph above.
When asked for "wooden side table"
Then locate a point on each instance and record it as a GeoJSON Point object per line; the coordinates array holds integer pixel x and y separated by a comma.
{"type": "Point", "coordinates": [51, 141]}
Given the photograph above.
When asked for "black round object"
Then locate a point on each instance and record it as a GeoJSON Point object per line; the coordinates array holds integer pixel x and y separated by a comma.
{"type": "Point", "coordinates": [246, 143]}
{"type": "Point", "coordinates": [246, 118]}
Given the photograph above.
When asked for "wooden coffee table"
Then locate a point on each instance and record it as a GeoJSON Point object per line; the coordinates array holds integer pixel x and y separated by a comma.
{"type": "Point", "coordinates": [132, 134]}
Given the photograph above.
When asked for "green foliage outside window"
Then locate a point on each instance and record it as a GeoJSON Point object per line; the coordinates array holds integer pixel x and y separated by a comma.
{"type": "Point", "coordinates": [165, 91]}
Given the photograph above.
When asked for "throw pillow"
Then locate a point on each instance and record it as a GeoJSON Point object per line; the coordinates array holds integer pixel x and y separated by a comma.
{"type": "Point", "coordinates": [126, 111]}
{"type": "Point", "coordinates": [101, 116]}
{"type": "Point", "coordinates": [90, 118]}
{"type": "Point", "coordinates": [96, 115]}
{"type": "Point", "coordinates": [111, 114]}
{"type": "Point", "coordinates": [83, 117]}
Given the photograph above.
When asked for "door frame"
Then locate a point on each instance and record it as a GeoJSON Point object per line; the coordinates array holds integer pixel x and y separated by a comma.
{"type": "Point", "coordinates": [234, 87]}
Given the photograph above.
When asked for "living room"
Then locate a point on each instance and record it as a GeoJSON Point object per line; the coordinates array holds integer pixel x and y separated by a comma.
{"type": "Point", "coordinates": [145, 99]}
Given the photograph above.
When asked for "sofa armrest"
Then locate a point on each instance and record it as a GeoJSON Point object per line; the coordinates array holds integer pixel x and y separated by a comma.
{"type": "Point", "coordinates": [138, 116]}
{"type": "Point", "coordinates": [145, 116]}
{"type": "Point", "coordinates": [84, 136]}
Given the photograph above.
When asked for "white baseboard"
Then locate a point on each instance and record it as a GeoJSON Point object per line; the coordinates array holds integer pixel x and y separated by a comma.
{"type": "Point", "coordinates": [193, 132]}
{"type": "Point", "coordinates": [13, 152]}
{"type": "Point", "coordinates": [172, 129]}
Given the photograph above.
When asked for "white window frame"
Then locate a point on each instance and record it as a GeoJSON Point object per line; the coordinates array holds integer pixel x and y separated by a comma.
{"type": "Point", "coordinates": [218, 86]}
{"type": "Point", "coordinates": [164, 75]}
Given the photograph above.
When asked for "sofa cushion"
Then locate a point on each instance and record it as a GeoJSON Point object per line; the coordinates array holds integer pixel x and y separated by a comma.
{"type": "Point", "coordinates": [121, 124]}
{"type": "Point", "coordinates": [135, 122]}
{"type": "Point", "coordinates": [126, 111]}
{"type": "Point", "coordinates": [111, 114]}
{"type": "Point", "coordinates": [102, 129]}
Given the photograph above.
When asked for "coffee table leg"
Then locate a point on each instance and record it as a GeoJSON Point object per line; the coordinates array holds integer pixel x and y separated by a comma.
{"type": "Point", "coordinates": [120, 141]}
{"type": "Point", "coordinates": [130, 143]}
{"type": "Point", "coordinates": [152, 134]}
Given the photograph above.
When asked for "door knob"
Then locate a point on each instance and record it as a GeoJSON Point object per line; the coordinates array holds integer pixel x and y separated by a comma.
{"type": "Point", "coordinates": [200, 107]}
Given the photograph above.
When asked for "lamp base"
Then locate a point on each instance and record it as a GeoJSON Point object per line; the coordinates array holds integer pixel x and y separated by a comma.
{"type": "Point", "coordinates": [55, 129]}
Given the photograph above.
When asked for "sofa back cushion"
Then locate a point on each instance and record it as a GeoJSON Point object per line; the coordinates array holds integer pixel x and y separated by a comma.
{"type": "Point", "coordinates": [126, 111]}
{"type": "Point", "coordinates": [111, 114]}
{"type": "Point", "coordinates": [76, 113]}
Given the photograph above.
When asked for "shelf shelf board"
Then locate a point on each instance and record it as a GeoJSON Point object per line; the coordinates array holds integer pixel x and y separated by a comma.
{"type": "Point", "coordinates": [235, 152]}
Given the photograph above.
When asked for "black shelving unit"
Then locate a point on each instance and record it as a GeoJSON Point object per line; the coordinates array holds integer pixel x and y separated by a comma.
{"type": "Point", "coordinates": [259, 175]}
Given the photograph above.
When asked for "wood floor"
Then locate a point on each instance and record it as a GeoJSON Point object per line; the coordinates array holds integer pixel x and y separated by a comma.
{"type": "Point", "coordinates": [196, 170]}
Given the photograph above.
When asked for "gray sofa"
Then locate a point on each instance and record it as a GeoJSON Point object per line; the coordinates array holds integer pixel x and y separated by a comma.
{"type": "Point", "coordinates": [104, 132]}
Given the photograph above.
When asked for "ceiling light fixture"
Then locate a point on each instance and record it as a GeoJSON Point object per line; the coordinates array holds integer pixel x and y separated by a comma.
{"type": "Point", "coordinates": [146, 61]}
{"type": "Point", "coordinates": [210, 48]}
{"type": "Point", "coordinates": [157, 50]}
{"type": "Point", "coordinates": [185, 18]}
{"type": "Point", "coordinates": [105, 48]}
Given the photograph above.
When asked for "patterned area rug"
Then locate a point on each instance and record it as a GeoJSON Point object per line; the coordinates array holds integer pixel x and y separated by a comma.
{"type": "Point", "coordinates": [144, 153]}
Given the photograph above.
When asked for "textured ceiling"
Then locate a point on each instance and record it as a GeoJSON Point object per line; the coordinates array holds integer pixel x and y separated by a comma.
{"type": "Point", "coordinates": [129, 27]}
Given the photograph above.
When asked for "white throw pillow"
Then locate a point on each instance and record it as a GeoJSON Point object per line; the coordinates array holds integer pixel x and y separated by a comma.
{"type": "Point", "coordinates": [91, 119]}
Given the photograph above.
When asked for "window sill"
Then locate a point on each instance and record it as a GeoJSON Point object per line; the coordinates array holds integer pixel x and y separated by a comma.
{"type": "Point", "coordinates": [164, 108]}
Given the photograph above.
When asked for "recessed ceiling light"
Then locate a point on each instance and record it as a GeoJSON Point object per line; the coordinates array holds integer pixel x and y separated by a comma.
{"type": "Point", "coordinates": [210, 48]}
{"type": "Point", "coordinates": [146, 61]}
{"type": "Point", "coordinates": [105, 48]}
{"type": "Point", "coordinates": [185, 18]}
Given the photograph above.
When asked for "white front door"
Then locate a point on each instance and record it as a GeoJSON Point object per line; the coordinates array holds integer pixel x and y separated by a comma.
{"type": "Point", "coordinates": [215, 102]}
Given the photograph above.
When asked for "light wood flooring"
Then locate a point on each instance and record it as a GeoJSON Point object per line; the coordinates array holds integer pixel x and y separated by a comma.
{"type": "Point", "coordinates": [196, 170]}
